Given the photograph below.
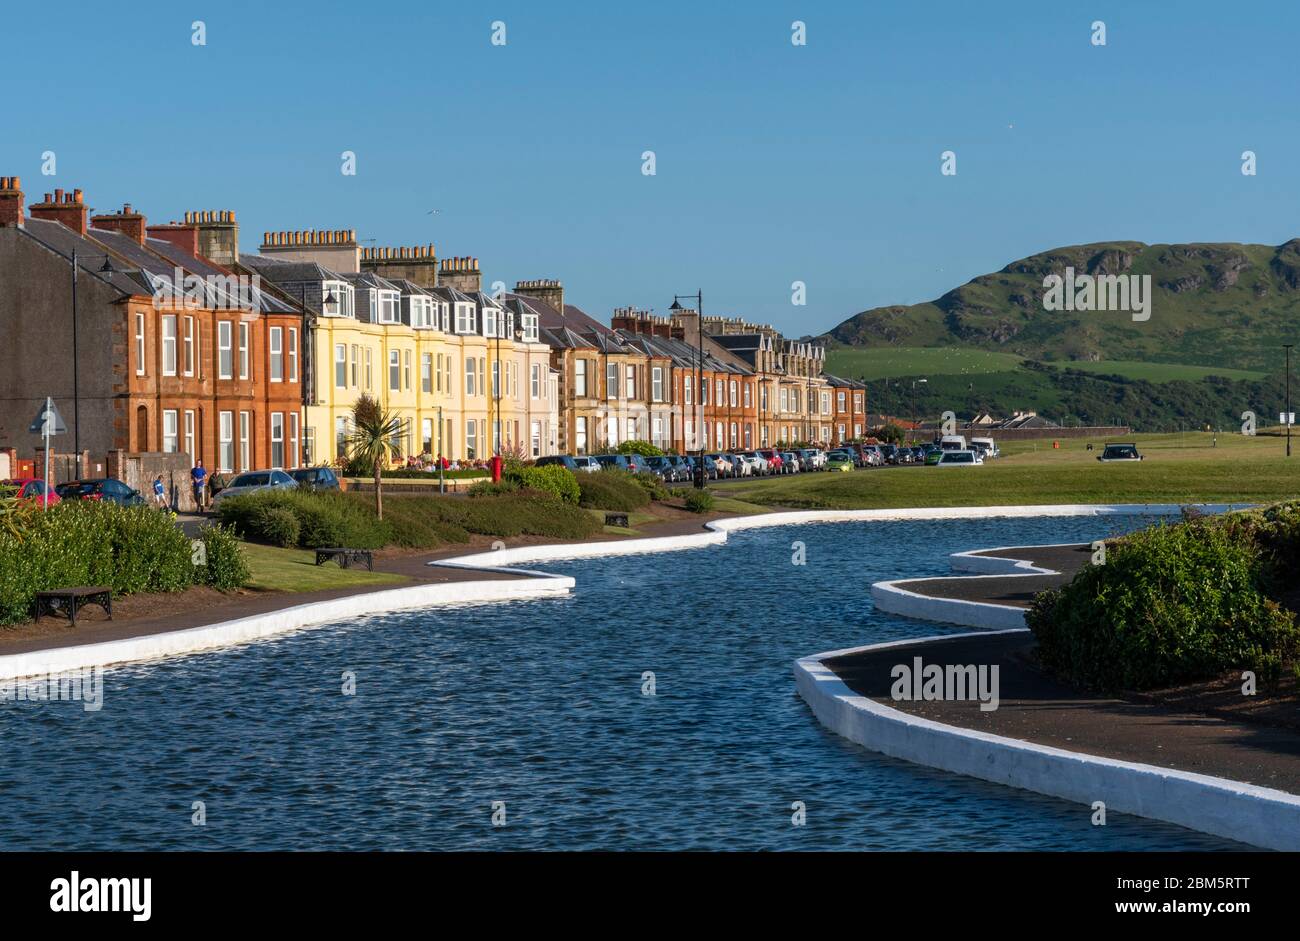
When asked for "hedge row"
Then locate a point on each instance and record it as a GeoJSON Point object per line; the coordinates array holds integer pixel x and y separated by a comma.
{"type": "Point", "coordinates": [1177, 603]}
{"type": "Point", "coordinates": [611, 490]}
{"type": "Point", "coordinates": [84, 542]}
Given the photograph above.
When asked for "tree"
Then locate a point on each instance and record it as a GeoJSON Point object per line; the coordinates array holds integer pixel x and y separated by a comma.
{"type": "Point", "coordinates": [376, 434]}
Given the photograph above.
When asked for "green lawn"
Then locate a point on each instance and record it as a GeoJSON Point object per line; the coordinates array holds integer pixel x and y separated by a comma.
{"type": "Point", "coordinates": [1159, 372]}
{"type": "Point", "coordinates": [1177, 469]}
{"type": "Point", "coordinates": [275, 569]}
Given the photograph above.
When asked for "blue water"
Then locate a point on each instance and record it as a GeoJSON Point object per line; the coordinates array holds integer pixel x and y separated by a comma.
{"type": "Point", "coordinates": [538, 704]}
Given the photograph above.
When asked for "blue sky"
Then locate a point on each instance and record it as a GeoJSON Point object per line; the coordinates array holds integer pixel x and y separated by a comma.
{"type": "Point", "coordinates": [774, 163]}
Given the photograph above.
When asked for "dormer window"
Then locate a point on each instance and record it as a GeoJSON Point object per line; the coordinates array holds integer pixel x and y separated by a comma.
{"type": "Point", "coordinates": [530, 327]}
{"type": "Point", "coordinates": [389, 306]}
{"type": "Point", "coordinates": [465, 318]}
{"type": "Point", "coordinates": [421, 311]}
{"type": "Point", "coordinates": [445, 313]}
{"type": "Point", "coordinates": [337, 299]}
{"type": "Point", "coordinates": [489, 321]}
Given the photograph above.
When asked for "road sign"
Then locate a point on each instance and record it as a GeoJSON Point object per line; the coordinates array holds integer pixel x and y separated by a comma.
{"type": "Point", "coordinates": [1286, 418]}
{"type": "Point", "coordinates": [49, 413]}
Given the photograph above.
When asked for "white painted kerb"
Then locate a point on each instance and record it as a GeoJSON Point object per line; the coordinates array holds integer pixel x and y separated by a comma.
{"type": "Point", "coordinates": [1256, 815]}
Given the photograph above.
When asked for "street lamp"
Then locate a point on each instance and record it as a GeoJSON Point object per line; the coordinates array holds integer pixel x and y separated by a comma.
{"type": "Point", "coordinates": [914, 382]}
{"type": "Point", "coordinates": [105, 269]}
{"type": "Point", "coordinates": [699, 366]}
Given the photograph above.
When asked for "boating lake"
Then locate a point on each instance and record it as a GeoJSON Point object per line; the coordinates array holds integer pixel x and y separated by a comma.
{"type": "Point", "coordinates": [538, 706]}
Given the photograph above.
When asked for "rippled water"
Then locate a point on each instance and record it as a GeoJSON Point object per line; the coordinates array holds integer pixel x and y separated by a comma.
{"type": "Point", "coordinates": [538, 704]}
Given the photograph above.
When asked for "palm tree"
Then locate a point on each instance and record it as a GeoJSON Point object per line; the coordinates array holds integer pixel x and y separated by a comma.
{"type": "Point", "coordinates": [375, 435]}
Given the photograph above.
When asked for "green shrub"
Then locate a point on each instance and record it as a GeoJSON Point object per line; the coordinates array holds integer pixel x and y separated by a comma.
{"type": "Point", "coordinates": [130, 550]}
{"type": "Point", "coordinates": [489, 488]}
{"type": "Point", "coordinates": [274, 525]}
{"type": "Point", "coordinates": [553, 478]}
{"type": "Point", "coordinates": [644, 448]}
{"type": "Point", "coordinates": [699, 501]}
{"type": "Point", "coordinates": [652, 484]}
{"type": "Point", "coordinates": [324, 519]}
{"type": "Point", "coordinates": [225, 567]}
{"type": "Point", "coordinates": [1172, 603]}
{"type": "Point", "coordinates": [611, 490]}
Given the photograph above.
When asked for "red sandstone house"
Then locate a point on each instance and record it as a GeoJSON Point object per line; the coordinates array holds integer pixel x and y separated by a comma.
{"type": "Point", "coordinates": [171, 352]}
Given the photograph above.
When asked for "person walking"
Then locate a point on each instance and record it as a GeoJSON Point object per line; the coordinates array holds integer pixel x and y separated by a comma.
{"type": "Point", "coordinates": [199, 476]}
{"type": "Point", "coordinates": [159, 492]}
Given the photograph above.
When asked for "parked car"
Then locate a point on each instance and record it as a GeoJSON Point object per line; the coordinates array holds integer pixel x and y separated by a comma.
{"type": "Point", "coordinates": [814, 458]}
{"type": "Point", "coordinates": [663, 467]}
{"type": "Point", "coordinates": [258, 481]}
{"type": "Point", "coordinates": [988, 445]}
{"type": "Point", "coordinates": [31, 488]}
{"type": "Point", "coordinates": [563, 460]}
{"type": "Point", "coordinates": [719, 465]}
{"type": "Point", "coordinates": [101, 488]}
{"type": "Point", "coordinates": [839, 460]}
{"type": "Point", "coordinates": [775, 463]}
{"type": "Point", "coordinates": [953, 443]}
{"type": "Point", "coordinates": [1119, 452]}
{"type": "Point", "coordinates": [585, 464]}
{"type": "Point", "coordinates": [903, 455]}
{"type": "Point", "coordinates": [614, 462]}
{"type": "Point", "coordinates": [758, 465]}
{"type": "Point", "coordinates": [918, 454]}
{"type": "Point", "coordinates": [890, 451]}
{"type": "Point", "coordinates": [933, 454]}
{"type": "Point", "coordinates": [959, 459]}
{"type": "Point", "coordinates": [315, 478]}
{"type": "Point", "coordinates": [875, 456]}
{"type": "Point", "coordinates": [685, 466]}
{"type": "Point", "coordinates": [793, 463]}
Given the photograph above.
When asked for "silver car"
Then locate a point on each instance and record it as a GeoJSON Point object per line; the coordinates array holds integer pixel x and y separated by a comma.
{"type": "Point", "coordinates": [259, 481]}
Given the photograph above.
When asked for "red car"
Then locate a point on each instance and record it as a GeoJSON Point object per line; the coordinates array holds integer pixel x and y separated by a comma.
{"type": "Point", "coordinates": [775, 463]}
{"type": "Point", "coordinates": [31, 488]}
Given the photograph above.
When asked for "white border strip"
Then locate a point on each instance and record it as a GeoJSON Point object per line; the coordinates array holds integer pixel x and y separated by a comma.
{"type": "Point", "coordinates": [1247, 813]}
{"type": "Point", "coordinates": [257, 627]}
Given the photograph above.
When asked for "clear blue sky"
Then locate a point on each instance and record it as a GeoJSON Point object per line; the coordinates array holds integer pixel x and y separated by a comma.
{"type": "Point", "coordinates": [775, 163]}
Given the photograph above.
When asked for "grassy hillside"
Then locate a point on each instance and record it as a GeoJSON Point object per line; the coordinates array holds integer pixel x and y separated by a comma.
{"type": "Point", "coordinates": [1224, 305]}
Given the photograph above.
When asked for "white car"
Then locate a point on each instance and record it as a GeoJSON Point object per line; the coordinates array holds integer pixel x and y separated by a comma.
{"type": "Point", "coordinates": [259, 481]}
{"type": "Point", "coordinates": [818, 458]}
{"type": "Point", "coordinates": [959, 459]}
{"type": "Point", "coordinates": [587, 465]}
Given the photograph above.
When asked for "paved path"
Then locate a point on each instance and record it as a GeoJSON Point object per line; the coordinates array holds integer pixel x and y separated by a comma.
{"type": "Point", "coordinates": [1037, 708]}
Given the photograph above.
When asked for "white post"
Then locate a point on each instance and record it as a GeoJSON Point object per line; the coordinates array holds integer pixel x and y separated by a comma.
{"type": "Point", "coordinates": [49, 407]}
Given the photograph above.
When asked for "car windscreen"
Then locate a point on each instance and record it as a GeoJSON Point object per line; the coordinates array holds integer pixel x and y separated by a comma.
{"type": "Point", "coordinates": [1121, 452]}
{"type": "Point", "coordinates": [251, 480]}
{"type": "Point", "coordinates": [77, 489]}
{"type": "Point", "coordinates": [303, 475]}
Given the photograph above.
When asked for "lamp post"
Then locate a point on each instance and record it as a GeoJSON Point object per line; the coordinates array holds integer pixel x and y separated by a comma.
{"type": "Point", "coordinates": [699, 366]}
{"type": "Point", "coordinates": [1287, 416]}
{"type": "Point", "coordinates": [105, 268]}
{"type": "Point", "coordinates": [914, 382]}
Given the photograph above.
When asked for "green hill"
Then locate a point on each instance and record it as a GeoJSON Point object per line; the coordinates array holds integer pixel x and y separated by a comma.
{"type": "Point", "coordinates": [1221, 305]}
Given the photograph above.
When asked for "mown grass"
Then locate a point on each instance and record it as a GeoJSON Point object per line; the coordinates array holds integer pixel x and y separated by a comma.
{"type": "Point", "coordinates": [275, 569]}
{"type": "Point", "coordinates": [1178, 469]}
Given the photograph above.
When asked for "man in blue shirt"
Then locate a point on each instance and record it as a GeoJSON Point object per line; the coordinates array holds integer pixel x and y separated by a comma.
{"type": "Point", "coordinates": [199, 476]}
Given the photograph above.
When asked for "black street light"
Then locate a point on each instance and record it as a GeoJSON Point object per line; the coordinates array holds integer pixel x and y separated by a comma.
{"type": "Point", "coordinates": [105, 269]}
{"type": "Point", "coordinates": [676, 307]}
{"type": "Point", "coordinates": [914, 382]}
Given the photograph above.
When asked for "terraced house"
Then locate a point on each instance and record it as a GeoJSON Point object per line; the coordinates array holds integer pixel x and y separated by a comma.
{"type": "Point", "coordinates": [145, 344]}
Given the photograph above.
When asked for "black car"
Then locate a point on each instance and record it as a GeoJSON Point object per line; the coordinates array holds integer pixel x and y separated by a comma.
{"type": "Point", "coordinates": [108, 489]}
{"type": "Point", "coordinates": [661, 466]}
{"type": "Point", "coordinates": [315, 478]}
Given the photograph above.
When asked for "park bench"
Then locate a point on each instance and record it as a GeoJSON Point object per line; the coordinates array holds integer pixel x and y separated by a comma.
{"type": "Point", "coordinates": [346, 557]}
{"type": "Point", "coordinates": [66, 601]}
{"type": "Point", "coordinates": [616, 519]}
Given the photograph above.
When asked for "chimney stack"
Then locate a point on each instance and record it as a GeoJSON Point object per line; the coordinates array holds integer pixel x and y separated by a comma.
{"type": "Point", "coordinates": [67, 208]}
{"type": "Point", "coordinates": [547, 290]}
{"type": "Point", "coordinates": [463, 274]}
{"type": "Point", "coordinates": [129, 222]}
{"type": "Point", "coordinates": [218, 235]}
{"type": "Point", "coordinates": [184, 237]}
{"type": "Point", "coordinates": [417, 264]}
{"type": "Point", "coordinates": [11, 201]}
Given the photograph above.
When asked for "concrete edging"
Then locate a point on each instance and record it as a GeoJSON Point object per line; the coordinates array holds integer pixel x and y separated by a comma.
{"type": "Point", "coordinates": [1244, 812]}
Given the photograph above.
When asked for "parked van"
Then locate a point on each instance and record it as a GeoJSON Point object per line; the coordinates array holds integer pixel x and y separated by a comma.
{"type": "Point", "coordinates": [986, 445]}
{"type": "Point", "coordinates": [953, 443]}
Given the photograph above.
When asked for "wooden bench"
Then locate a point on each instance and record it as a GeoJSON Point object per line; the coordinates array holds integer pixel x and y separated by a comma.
{"type": "Point", "coordinates": [616, 519]}
{"type": "Point", "coordinates": [66, 601]}
{"type": "Point", "coordinates": [346, 557]}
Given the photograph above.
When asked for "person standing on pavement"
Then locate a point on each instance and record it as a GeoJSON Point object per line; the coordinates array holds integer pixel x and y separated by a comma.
{"type": "Point", "coordinates": [159, 492]}
{"type": "Point", "coordinates": [199, 476]}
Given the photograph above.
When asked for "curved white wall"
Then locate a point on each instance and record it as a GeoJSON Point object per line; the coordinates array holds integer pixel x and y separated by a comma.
{"type": "Point", "coordinates": [1256, 815]}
